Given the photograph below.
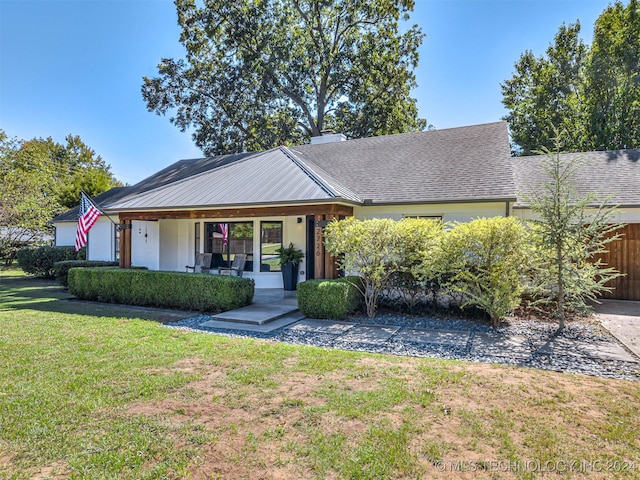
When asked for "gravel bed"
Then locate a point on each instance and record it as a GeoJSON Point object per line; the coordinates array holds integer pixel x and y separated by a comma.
{"type": "Point", "coordinates": [533, 332]}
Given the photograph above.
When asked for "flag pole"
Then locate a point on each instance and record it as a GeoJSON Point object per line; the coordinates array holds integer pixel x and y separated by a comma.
{"type": "Point", "coordinates": [118, 225]}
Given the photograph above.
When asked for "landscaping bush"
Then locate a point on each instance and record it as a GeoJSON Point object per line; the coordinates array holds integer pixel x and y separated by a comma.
{"type": "Point", "coordinates": [61, 269]}
{"type": "Point", "coordinates": [185, 291]}
{"type": "Point", "coordinates": [377, 248]}
{"type": "Point", "coordinates": [329, 298]}
{"type": "Point", "coordinates": [39, 261]}
{"type": "Point", "coordinates": [485, 260]}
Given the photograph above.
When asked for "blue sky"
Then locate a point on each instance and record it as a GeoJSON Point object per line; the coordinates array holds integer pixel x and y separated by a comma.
{"type": "Point", "coordinates": [76, 67]}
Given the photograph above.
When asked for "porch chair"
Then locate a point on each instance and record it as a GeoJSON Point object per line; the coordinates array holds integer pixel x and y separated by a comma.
{"type": "Point", "coordinates": [203, 263]}
{"type": "Point", "coordinates": [237, 266]}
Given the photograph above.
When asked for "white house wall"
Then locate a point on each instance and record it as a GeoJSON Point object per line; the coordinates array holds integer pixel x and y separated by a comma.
{"type": "Point", "coordinates": [145, 244]}
{"type": "Point", "coordinates": [176, 244]}
{"type": "Point", "coordinates": [65, 234]}
{"type": "Point", "coordinates": [101, 240]}
{"type": "Point", "coordinates": [623, 215]}
{"type": "Point", "coordinates": [452, 212]}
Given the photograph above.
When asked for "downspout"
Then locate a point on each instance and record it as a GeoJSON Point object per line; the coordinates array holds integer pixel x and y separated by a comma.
{"type": "Point", "coordinates": [507, 209]}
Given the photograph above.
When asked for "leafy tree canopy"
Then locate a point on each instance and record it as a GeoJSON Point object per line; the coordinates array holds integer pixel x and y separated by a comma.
{"type": "Point", "coordinates": [593, 93]}
{"type": "Point", "coordinates": [262, 73]}
{"type": "Point", "coordinates": [40, 179]}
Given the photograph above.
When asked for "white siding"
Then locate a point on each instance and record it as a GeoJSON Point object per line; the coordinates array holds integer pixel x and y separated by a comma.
{"type": "Point", "coordinates": [65, 234]}
{"type": "Point", "coordinates": [452, 212]}
{"type": "Point", "coordinates": [624, 215]}
{"type": "Point", "coordinates": [101, 240]}
{"type": "Point", "coordinates": [176, 244]}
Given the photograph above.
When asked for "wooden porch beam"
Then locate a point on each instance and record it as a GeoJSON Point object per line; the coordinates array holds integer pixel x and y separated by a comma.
{"type": "Point", "coordinates": [295, 210]}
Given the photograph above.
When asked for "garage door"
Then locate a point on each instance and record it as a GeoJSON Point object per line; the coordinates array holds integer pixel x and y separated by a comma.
{"type": "Point", "coordinates": [624, 256]}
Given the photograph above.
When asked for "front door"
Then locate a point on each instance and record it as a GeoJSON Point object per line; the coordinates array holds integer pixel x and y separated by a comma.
{"type": "Point", "coordinates": [311, 247]}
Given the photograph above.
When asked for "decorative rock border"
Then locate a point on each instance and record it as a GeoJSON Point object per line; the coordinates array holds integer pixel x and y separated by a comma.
{"type": "Point", "coordinates": [581, 348]}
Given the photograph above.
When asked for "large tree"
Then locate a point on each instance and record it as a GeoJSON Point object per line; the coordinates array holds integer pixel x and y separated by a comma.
{"type": "Point", "coordinates": [81, 169]}
{"type": "Point", "coordinates": [545, 93]}
{"type": "Point", "coordinates": [40, 179]}
{"type": "Point", "coordinates": [613, 79]}
{"type": "Point", "coordinates": [593, 93]}
{"type": "Point", "coordinates": [261, 73]}
{"type": "Point", "coordinates": [27, 195]}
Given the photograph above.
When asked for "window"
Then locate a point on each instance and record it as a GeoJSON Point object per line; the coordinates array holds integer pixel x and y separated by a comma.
{"type": "Point", "coordinates": [116, 243]}
{"type": "Point", "coordinates": [270, 242]}
{"type": "Point", "coordinates": [424, 217]}
{"type": "Point", "coordinates": [224, 240]}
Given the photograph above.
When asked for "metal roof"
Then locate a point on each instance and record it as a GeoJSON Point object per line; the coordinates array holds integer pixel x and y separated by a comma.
{"type": "Point", "coordinates": [274, 176]}
{"type": "Point", "coordinates": [99, 200]}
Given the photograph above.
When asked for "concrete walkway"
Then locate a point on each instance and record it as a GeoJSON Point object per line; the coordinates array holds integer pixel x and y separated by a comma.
{"type": "Point", "coordinates": [622, 319]}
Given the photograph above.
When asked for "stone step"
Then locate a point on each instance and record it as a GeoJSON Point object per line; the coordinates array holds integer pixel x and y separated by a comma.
{"type": "Point", "coordinates": [272, 325]}
{"type": "Point", "coordinates": [257, 313]}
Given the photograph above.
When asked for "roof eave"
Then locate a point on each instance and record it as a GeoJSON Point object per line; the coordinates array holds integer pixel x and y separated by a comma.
{"type": "Point", "coordinates": [521, 206]}
{"type": "Point", "coordinates": [367, 203]}
{"type": "Point", "coordinates": [324, 201]}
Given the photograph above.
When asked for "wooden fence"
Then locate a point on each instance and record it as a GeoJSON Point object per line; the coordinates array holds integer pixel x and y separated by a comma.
{"type": "Point", "coordinates": [624, 256]}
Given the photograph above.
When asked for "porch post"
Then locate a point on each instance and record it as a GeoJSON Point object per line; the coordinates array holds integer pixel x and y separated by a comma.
{"type": "Point", "coordinates": [125, 244]}
{"type": "Point", "coordinates": [330, 266]}
{"type": "Point", "coordinates": [319, 245]}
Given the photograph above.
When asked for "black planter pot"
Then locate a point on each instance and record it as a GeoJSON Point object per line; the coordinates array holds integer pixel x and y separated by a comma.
{"type": "Point", "coordinates": [290, 275]}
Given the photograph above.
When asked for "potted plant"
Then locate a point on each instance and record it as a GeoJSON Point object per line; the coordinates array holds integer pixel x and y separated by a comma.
{"type": "Point", "coordinates": [290, 258]}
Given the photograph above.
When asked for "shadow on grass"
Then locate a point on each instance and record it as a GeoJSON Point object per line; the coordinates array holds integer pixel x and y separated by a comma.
{"type": "Point", "coordinates": [20, 292]}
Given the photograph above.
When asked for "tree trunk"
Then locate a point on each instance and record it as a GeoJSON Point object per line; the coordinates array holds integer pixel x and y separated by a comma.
{"type": "Point", "coordinates": [560, 305]}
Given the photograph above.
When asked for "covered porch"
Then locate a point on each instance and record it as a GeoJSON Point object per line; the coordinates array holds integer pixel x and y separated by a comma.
{"type": "Point", "coordinates": [170, 239]}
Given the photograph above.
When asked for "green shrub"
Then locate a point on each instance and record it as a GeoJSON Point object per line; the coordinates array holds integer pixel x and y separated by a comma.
{"type": "Point", "coordinates": [379, 247]}
{"type": "Point", "coordinates": [61, 269]}
{"type": "Point", "coordinates": [39, 261]}
{"type": "Point", "coordinates": [484, 261]}
{"type": "Point", "coordinates": [185, 291]}
{"type": "Point", "coordinates": [329, 298]}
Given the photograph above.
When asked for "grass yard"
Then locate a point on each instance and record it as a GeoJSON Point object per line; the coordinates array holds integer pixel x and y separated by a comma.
{"type": "Point", "coordinates": [93, 391]}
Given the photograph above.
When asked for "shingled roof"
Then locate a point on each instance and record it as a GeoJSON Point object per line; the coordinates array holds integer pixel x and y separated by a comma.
{"type": "Point", "coordinates": [456, 164]}
{"type": "Point", "coordinates": [614, 174]}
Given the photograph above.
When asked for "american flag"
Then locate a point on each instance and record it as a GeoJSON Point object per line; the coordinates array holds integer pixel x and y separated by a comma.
{"type": "Point", "coordinates": [87, 216]}
{"type": "Point", "coordinates": [224, 229]}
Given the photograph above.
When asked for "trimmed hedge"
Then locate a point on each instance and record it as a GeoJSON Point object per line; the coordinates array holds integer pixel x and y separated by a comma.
{"type": "Point", "coordinates": [184, 291]}
{"type": "Point", "coordinates": [61, 269]}
{"type": "Point", "coordinates": [39, 261]}
{"type": "Point", "coordinates": [329, 298]}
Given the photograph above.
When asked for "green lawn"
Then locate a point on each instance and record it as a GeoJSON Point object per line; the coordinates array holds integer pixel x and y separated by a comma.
{"type": "Point", "coordinates": [102, 391]}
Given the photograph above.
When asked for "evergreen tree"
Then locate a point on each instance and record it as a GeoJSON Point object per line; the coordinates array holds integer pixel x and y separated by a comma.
{"type": "Point", "coordinates": [569, 231]}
